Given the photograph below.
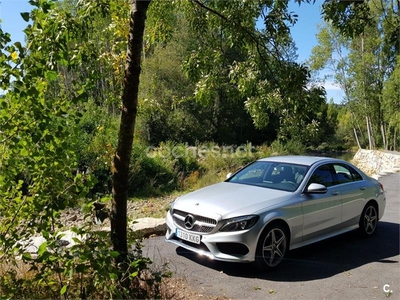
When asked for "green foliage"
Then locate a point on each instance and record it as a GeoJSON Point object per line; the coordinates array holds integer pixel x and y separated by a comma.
{"type": "Point", "coordinates": [150, 174]}
{"type": "Point", "coordinates": [231, 65]}
{"type": "Point", "coordinates": [170, 107]}
{"type": "Point", "coordinates": [38, 164]}
{"type": "Point", "coordinates": [295, 147]}
{"type": "Point", "coordinates": [160, 170]}
{"type": "Point", "coordinates": [226, 157]}
{"type": "Point", "coordinates": [49, 153]}
{"type": "Point", "coordinates": [391, 106]}
{"type": "Point", "coordinates": [82, 269]}
{"type": "Point", "coordinates": [292, 147]}
{"type": "Point", "coordinates": [351, 17]}
{"type": "Point", "coordinates": [97, 133]}
{"type": "Point", "coordinates": [359, 44]}
{"type": "Point", "coordinates": [233, 83]}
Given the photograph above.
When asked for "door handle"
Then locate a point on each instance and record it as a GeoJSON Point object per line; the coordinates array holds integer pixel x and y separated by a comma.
{"type": "Point", "coordinates": [362, 188]}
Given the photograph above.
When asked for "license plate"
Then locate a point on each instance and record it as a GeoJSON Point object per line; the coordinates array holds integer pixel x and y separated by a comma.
{"type": "Point", "coordinates": [190, 237]}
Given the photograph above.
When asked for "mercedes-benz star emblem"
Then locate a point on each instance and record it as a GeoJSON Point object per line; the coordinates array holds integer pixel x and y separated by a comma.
{"type": "Point", "coordinates": [189, 221]}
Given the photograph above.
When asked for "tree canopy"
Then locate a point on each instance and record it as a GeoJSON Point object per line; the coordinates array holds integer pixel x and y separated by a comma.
{"type": "Point", "coordinates": [360, 43]}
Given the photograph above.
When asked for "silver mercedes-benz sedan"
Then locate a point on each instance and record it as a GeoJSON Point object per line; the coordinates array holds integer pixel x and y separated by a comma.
{"type": "Point", "coordinates": [274, 205]}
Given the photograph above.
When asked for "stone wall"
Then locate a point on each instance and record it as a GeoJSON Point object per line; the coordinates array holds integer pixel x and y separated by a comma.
{"type": "Point", "coordinates": [377, 163]}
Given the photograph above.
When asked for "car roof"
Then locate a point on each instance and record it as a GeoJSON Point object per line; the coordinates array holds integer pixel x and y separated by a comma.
{"type": "Point", "coordinates": [300, 159]}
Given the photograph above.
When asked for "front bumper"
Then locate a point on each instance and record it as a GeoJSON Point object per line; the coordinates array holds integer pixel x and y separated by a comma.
{"type": "Point", "coordinates": [236, 246]}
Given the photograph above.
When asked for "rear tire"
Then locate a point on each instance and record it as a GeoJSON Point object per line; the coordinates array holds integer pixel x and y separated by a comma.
{"type": "Point", "coordinates": [272, 247]}
{"type": "Point", "coordinates": [369, 220]}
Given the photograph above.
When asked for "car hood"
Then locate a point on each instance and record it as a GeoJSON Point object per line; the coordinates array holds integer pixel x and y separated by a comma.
{"type": "Point", "coordinates": [226, 200]}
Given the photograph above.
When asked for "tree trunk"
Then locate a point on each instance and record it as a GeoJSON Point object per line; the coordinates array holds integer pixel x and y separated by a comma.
{"type": "Point", "coordinates": [356, 136]}
{"type": "Point", "coordinates": [385, 144]}
{"type": "Point", "coordinates": [126, 131]}
{"type": "Point", "coordinates": [369, 133]}
{"type": "Point", "coordinates": [361, 132]}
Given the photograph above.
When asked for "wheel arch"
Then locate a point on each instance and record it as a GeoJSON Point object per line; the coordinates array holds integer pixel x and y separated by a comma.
{"type": "Point", "coordinates": [283, 224]}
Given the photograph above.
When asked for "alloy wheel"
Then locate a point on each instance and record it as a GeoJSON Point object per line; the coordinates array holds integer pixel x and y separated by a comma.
{"type": "Point", "coordinates": [274, 247]}
{"type": "Point", "coordinates": [370, 219]}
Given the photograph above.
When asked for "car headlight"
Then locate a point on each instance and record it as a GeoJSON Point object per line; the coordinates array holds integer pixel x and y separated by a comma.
{"type": "Point", "coordinates": [239, 223]}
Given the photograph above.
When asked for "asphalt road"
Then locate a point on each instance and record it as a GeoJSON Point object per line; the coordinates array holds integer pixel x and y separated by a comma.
{"type": "Point", "coordinates": [344, 267]}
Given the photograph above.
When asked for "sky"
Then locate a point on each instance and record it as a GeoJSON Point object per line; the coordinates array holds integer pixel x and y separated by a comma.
{"type": "Point", "coordinates": [304, 32]}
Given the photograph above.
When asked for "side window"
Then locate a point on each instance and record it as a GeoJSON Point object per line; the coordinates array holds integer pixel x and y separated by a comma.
{"type": "Point", "coordinates": [322, 175]}
{"type": "Point", "coordinates": [343, 174]}
{"type": "Point", "coordinates": [355, 175]}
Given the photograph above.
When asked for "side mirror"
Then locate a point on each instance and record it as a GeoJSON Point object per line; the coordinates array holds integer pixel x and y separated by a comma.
{"type": "Point", "coordinates": [229, 175]}
{"type": "Point", "coordinates": [316, 188]}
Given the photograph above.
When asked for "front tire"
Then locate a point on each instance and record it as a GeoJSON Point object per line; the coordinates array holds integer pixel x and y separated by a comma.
{"type": "Point", "coordinates": [369, 220]}
{"type": "Point", "coordinates": [272, 247]}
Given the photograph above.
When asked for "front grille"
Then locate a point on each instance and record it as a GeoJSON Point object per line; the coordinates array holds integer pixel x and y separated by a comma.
{"type": "Point", "coordinates": [201, 224]}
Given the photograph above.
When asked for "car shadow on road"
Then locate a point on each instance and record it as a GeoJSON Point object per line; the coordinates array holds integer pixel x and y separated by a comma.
{"type": "Point", "coordinates": [321, 260]}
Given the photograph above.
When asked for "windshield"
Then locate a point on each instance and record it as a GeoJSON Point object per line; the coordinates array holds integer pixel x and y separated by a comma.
{"type": "Point", "coordinates": [274, 175]}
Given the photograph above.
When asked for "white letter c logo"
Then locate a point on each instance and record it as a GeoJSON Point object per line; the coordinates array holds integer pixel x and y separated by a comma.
{"type": "Point", "coordinates": [386, 288]}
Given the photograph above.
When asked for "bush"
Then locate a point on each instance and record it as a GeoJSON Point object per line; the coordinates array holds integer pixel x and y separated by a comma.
{"type": "Point", "coordinates": [98, 133]}
{"type": "Point", "coordinates": [295, 147]}
{"type": "Point", "coordinates": [84, 270]}
{"type": "Point", "coordinates": [291, 147]}
{"type": "Point", "coordinates": [151, 175]}
{"type": "Point", "coordinates": [219, 158]}
{"type": "Point", "coordinates": [277, 148]}
{"type": "Point", "coordinates": [159, 170]}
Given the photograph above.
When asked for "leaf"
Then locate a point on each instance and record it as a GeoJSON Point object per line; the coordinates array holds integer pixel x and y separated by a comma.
{"type": "Point", "coordinates": [134, 274]}
{"type": "Point", "coordinates": [63, 290]}
{"type": "Point", "coordinates": [114, 254]}
{"type": "Point", "coordinates": [50, 75]}
{"type": "Point", "coordinates": [42, 248]}
{"type": "Point", "coordinates": [18, 45]}
{"type": "Point", "coordinates": [25, 16]}
{"type": "Point", "coordinates": [27, 256]}
{"type": "Point", "coordinates": [24, 152]}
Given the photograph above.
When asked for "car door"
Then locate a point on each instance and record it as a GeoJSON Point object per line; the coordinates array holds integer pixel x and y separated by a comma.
{"type": "Point", "coordinates": [352, 187]}
{"type": "Point", "coordinates": [321, 212]}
